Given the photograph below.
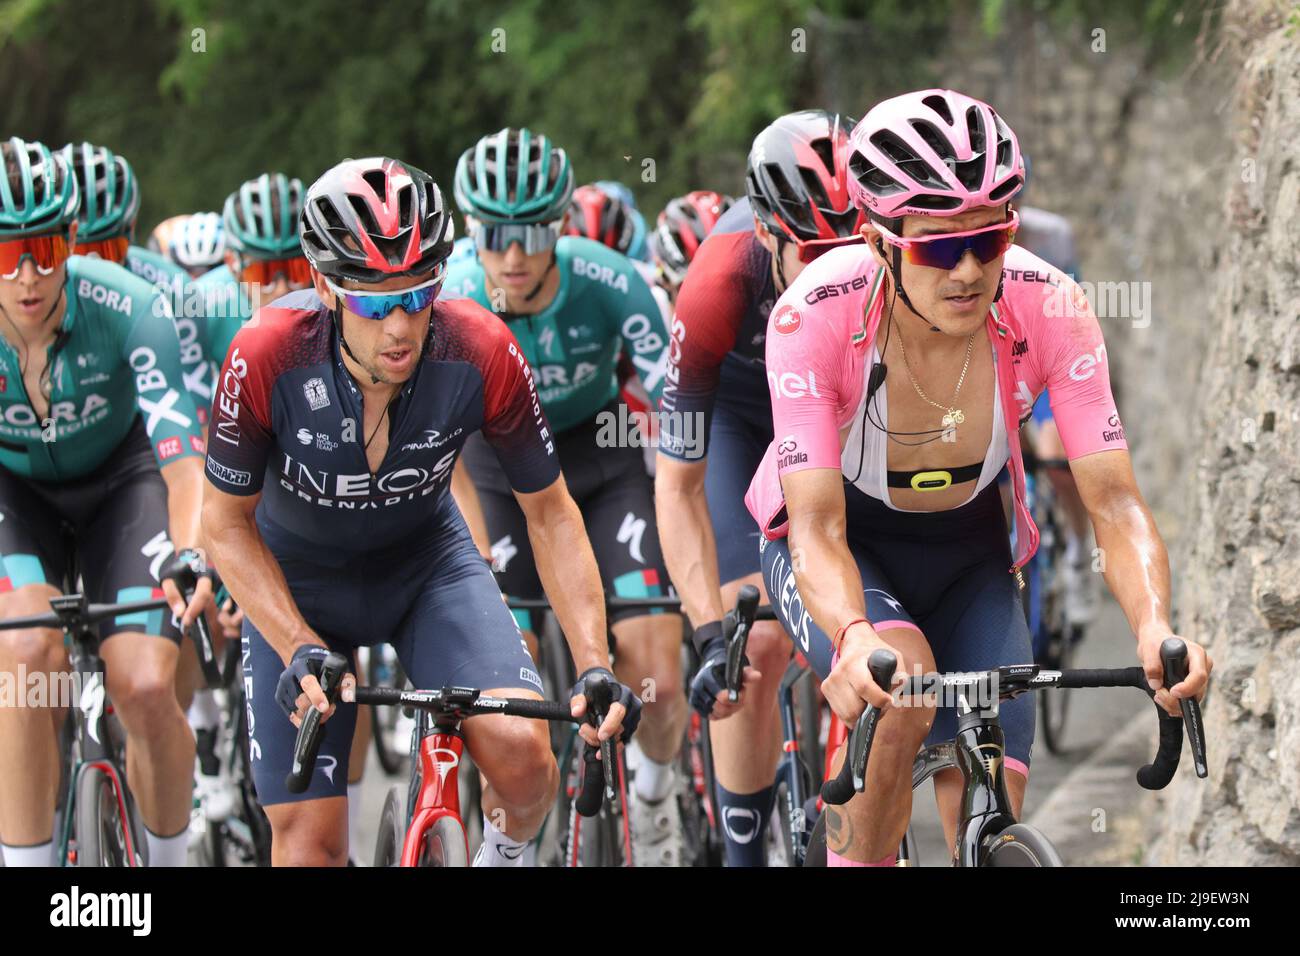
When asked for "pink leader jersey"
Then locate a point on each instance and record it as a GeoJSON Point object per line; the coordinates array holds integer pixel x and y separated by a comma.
{"type": "Point", "coordinates": [820, 345]}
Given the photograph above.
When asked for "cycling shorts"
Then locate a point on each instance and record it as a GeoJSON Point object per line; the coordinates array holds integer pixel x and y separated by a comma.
{"type": "Point", "coordinates": [434, 600]}
{"type": "Point", "coordinates": [941, 573]}
{"type": "Point", "coordinates": [736, 447]}
{"type": "Point", "coordinates": [616, 498]}
{"type": "Point", "coordinates": [118, 519]}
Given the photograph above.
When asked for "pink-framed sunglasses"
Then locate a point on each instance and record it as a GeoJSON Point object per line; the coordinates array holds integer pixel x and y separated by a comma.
{"type": "Point", "coordinates": [943, 250]}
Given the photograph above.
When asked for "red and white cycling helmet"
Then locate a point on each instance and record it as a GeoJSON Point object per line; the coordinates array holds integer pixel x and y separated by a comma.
{"type": "Point", "coordinates": [597, 215]}
{"type": "Point", "coordinates": [932, 153]}
{"type": "Point", "coordinates": [683, 226]}
{"type": "Point", "coordinates": [373, 219]}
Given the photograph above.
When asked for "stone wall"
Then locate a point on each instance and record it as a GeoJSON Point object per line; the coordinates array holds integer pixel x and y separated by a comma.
{"type": "Point", "coordinates": [1241, 553]}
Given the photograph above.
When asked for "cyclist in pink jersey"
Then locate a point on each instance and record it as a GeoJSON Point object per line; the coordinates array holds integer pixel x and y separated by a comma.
{"type": "Point", "coordinates": [899, 373]}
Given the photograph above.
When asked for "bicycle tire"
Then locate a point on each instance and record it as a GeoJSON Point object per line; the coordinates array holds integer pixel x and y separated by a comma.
{"type": "Point", "coordinates": [392, 829]}
{"type": "Point", "coordinates": [783, 851]}
{"type": "Point", "coordinates": [443, 844]}
{"type": "Point", "coordinates": [383, 720]}
{"type": "Point", "coordinates": [808, 712]}
{"type": "Point", "coordinates": [1019, 845]}
{"type": "Point", "coordinates": [100, 829]}
{"type": "Point", "coordinates": [1054, 703]}
{"type": "Point", "coordinates": [249, 807]}
{"type": "Point", "coordinates": [816, 855]}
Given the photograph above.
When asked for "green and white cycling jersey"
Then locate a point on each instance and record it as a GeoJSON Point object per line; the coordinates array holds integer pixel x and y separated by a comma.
{"type": "Point", "coordinates": [601, 308]}
{"type": "Point", "coordinates": [119, 357]}
{"type": "Point", "coordinates": [226, 309]}
{"type": "Point", "coordinates": [153, 268]}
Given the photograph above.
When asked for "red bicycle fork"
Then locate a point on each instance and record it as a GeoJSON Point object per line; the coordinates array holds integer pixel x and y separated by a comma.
{"type": "Point", "coordinates": [439, 795]}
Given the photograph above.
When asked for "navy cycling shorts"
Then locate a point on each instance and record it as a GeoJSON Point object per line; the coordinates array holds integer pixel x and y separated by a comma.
{"type": "Point", "coordinates": [945, 574]}
{"type": "Point", "coordinates": [616, 497]}
{"type": "Point", "coordinates": [736, 448]}
{"type": "Point", "coordinates": [434, 599]}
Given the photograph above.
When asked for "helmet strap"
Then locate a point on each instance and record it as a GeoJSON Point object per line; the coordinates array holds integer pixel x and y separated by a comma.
{"type": "Point", "coordinates": [337, 315]}
{"type": "Point", "coordinates": [778, 262]}
{"type": "Point", "coordinates": [896, 273]}
{"type": "Point", "coordinates": [542, 281]}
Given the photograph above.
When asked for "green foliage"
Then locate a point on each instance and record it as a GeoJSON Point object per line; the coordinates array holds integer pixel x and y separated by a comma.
{"type": "Point", "coordinates": [202, 94]}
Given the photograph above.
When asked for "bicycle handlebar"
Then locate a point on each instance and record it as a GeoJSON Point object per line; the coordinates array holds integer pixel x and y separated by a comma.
{"type": "Point", "coordinates": [456, 702]}
{"type": "Point", "coordinates": [75, 606]}
{"type": "Point", "coordinates": [1014, 680]}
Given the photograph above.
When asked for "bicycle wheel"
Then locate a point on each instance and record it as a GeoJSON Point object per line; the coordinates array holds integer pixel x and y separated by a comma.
{"type": "Point", "coordinates": [101, 827]}
{"type": "Point", "coordinates": [782, 849]}
{"type": "Point", "coordinates": [249, 809]}
{"type": "Point", "coordinates": [1054, 703]}
{"type": "Point", "coordinates": [692, 799]}
{"type": "Point", "coordinates": [392, 829]}
{"type": "Point", "coordinates": [816, 855]}
{"type": "Point", "coordinates": [384, 670]}
{"type": "Point", "coordinates": [1019, 845]}
{"type": "Point", "coordinates": [444, 844]}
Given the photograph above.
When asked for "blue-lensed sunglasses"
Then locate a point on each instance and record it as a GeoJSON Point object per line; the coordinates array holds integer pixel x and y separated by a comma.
{"type": "Point", "coordinates": [377, 305]}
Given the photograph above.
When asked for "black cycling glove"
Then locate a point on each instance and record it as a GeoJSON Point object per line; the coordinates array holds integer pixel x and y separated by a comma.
{"type": "Point", "coordinates": [598, 684]}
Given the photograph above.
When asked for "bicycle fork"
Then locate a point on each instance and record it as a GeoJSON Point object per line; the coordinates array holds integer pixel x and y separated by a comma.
{"type": "Point", "coordinates": [435, 791]}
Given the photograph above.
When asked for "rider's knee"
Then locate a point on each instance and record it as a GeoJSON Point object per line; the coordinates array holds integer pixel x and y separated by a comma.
{"type": "Point", "coordinates": [37, 651]}
{"type": "Point", "coordinates": [905, 727]}
{"type": "Point", "coordinates": [530, 776]}
{"type": "Point", "coordinates": [307, 837]}
{"type": "Point", "coordinates": [145, 698]}
{"type": "Point", "coordinates": [768, 649]}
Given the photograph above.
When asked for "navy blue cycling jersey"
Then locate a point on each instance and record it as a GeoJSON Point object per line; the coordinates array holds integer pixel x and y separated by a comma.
{"type": "Point", "coordinates": [287, 422]}
{"type": "Point", "coordinates": [718, 335]}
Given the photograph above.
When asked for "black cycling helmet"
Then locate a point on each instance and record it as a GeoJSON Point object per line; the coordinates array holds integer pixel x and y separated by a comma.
{"type": "Point", "coordinates": [372, 219]}
{"type": "Point", "coordinates": [796, 177]}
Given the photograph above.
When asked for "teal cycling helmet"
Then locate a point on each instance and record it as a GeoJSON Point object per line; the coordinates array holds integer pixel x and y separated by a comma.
{"type": "Point", "coordinates": [38, 193]}
{"type": "Point", "coordinates": [261, 217]}
{"type": "Point", "coordinates": [110, 193]}
{"type": "Point", "coordinates": [513, 176]}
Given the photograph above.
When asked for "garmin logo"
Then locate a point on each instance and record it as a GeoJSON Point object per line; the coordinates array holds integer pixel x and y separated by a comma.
{"type": "Point", "coordinates": [77, 909]}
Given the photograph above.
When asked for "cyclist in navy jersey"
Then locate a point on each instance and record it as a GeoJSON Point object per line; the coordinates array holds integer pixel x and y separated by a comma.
{"type": "Point", "coordinates": [716, 422]}
{"type": "Point", "coordinates": [338, 420]}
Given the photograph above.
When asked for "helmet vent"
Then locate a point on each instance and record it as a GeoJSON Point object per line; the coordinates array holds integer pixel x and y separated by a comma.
{"type": "Point", "coordinates": [825, 150]}
{"type": "Point", "coordinates": [940, 105]}
{"type": "Point", "coordinates": [378, 181]}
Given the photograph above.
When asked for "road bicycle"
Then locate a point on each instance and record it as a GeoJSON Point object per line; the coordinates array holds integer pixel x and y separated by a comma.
{"type": "Point", "coordinates": [987, 832]}
{"type": "Point", "coordinates": [101, 824]}
{"type": "Point", "coordinates": [233, 828]}
{"type": "Point", "coordinates": [568, 837]}
{"type": "Point", "coordinates": [423, 826]}
{"type": "Point", "coordinates": [1054, 639]}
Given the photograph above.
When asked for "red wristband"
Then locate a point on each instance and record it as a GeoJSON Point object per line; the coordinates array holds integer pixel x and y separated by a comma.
{"type": "Point", "coordinates": [840, 631]}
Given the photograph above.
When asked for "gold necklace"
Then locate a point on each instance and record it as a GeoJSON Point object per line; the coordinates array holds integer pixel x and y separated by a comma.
{"type": "Point", "coordinates": [952, 417]}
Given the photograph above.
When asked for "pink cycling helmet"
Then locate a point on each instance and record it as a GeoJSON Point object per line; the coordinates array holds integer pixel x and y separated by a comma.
{"type": "Point", "coordinates": [932, 153]}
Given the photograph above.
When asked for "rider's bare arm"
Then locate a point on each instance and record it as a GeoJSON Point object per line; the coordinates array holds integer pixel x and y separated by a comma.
{"type": "Point", "coordinates": [466, 495]}
{"type": "Point", "coordinates": [567, 567]}
{"type": "Point", "coordinates": [686, 536]}
{"type": "Point", "coordinates": [1135, 563]}
{"type": "Point", "coordinates": [184, 479]}
{"type": "Point", "coordinates": [251, 572]}
{"type": "Point", "coordinates": [830, 585]}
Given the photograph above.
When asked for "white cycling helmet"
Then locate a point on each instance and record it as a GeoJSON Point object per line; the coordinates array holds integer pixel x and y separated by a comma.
{"type": "Point", "coordinates": [200, 242]}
